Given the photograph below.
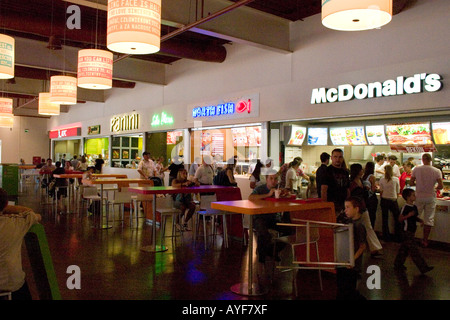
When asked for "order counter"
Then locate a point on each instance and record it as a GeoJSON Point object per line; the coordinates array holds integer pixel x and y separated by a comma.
{"type": "Point", "coordinates": [441, 230]}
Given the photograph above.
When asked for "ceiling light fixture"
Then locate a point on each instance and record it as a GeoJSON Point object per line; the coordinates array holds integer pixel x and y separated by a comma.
{"type": "Point", "coordinates": [46, 107]}
{"type": "Point", "coordinates": [6, 57]}
{"type": "Point", "coordinates": [134, 27]}
{"type": "Point", "coordinates": [95, 69]}
{"type": "Point", "coordinates": [63, 90]}
{"type": "Point", "coordinates": [356, 15]}
{"type": "Point", "coordinates": [6, 113]}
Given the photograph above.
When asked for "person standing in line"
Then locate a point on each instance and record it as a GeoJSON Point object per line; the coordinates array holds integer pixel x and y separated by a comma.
{"type": "Point", "coordinates": [146, 167]}
{"type": "Point", "coordinates": [425, 178]}
{"type": "Point", "coordinates": [193, 168]}
{"type": "Point", "coordinates": [409, 218]}
{"type": "Point", "coordinates": [204, 174]}
{"type": "Point", "coordinates": [389, 190]}
{"type": "Point", "coordinates": [74, 162]}
{"type": "Point", "coordinates": [321, 171]}
{"type": "Point", "coordinates": [99, 162]}
{"type": "Point", "coordinates": [347, 277]}
{"type": "Point", "coordinates": [15, 221]}
{"type": "Point", "coordinates": [335, 184]}
{"type": "Point", "coordinates": [358, 190]}
{"type": "Point", "coordinates": [370, 185]}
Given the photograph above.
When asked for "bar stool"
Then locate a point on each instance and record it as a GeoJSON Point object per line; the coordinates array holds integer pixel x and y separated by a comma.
{"type": "Point", "coordinates": [206, 212]}
{"type": "Point", "coordinates": [166, 209]}
{"type": "Point", "coordinates": [121, 198]}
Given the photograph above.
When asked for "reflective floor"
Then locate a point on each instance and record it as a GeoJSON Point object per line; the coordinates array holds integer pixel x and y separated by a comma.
{"type": "Point", "coordinates": [114, 268]}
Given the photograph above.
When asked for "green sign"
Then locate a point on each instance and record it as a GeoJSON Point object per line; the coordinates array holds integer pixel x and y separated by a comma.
{"type": "Point", "coordinates": [160, 120]}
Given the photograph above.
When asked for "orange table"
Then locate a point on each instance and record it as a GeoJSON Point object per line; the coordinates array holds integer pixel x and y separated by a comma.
{"type": "Point", "coordinates": [256, 207]}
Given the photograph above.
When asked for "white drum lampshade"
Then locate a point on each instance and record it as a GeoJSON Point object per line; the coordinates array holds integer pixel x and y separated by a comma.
{"type": "Point", "coordinates": [6, 57]}
{"type": "Point", "coordinates": [46, 107]}
{"type": "Point", "coordinates": [134, 27]}
{"type": "Point", "coordinates": [356, 15]}
{"type": "Point", "coordinates": [63, 90]}
{"type": "Point", "coordinates": [6, 113]}
{"type": "Point", "coordinates": [95, 69]}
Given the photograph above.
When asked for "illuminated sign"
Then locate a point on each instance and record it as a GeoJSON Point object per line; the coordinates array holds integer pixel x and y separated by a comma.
{"type": "Point", "coordinates": [93, 130]}
{"type": "Point", "coordinates": [64, 133]}
{"type": "Point", "coordinates": [418, 83]}
{"type": "Point", "coordinates": [241, 106]}
{"type": "Point", "coordinates": [125, 122]}
{"type": "Point", "coordinates": [160, 120]}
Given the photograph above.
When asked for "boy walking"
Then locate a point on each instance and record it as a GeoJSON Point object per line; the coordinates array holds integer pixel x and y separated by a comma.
{"type": "Point", "coordinates": [408, 218]}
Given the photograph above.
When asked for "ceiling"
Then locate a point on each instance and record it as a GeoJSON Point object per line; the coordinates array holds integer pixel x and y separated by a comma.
{"type": "Point", "coordinates": [190, 29]}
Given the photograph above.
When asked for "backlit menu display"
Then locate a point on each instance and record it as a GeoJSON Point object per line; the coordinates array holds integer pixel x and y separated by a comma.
{"type": "Point", "coordinates": [376, 135]}
{"type": "Point", "coordinates": [348, 136]}
{"type": "Point", "coordinates": [297, 136]}
{"type": "Point", "coordinates": [317, 136]}
{"type": "Point", "coordinates": [441, 132]}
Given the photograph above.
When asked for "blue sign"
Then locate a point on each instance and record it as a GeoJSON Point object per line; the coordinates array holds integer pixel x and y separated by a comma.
{"type": "Point", "coordinates": [209, 111]}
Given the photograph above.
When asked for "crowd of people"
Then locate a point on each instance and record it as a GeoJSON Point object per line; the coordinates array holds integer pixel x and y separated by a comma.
{"type": "Point", "coordinates": [354, 191]}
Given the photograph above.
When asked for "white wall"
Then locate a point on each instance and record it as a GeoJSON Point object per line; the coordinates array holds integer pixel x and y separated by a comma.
{"type": "Point", "coordinates": [17, 143]}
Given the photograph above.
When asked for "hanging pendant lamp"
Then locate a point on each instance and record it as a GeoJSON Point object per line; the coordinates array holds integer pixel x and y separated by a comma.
{"type": "Point", "coordinates": [95, 69]}
{"type": "Point", "coordinates": [134, 27]}
{"type": "Point", "coordinates": [6, 57]}
{"type": "Point", "coordinates": [6, 114]}
{"type": "Point", "coordinates": [46, 107]}
{"type": "Point", "coordinates": [63, 90]}
{"type": "Point", "coordinates": [356, 15]}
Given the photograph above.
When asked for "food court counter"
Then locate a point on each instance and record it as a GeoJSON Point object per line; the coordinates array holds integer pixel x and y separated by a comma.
{"type": "Point", "coordinates": [441, 230]}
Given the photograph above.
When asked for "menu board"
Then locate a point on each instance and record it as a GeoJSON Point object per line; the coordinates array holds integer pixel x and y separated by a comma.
{"type": "Point", "coordinates": [172, 136]}
{"type": "Point", "coordinates": [441, 132]}
{"type": "Point", "coordinates": [376, 135]}
{"type": "Point", "coordinates": [317, 136]}
{"type": "Point", "coordinates": [348, 136]}
{"type": "Point", "coordinates": [297, 136]}
{"type": "Point", "coordinates": [246, 136]}
{"type": "Point", "coordinates": [239, 137]}
{"type": "Point", "coordinates": [410, 137]}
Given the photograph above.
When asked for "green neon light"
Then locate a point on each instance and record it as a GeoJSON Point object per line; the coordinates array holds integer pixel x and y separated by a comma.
{"type": "Point", "coordinates": [160, 120]}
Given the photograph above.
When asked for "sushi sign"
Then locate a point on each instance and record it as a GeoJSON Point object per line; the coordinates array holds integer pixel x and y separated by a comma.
{"type": "Point", "coordinates": [418, 83]}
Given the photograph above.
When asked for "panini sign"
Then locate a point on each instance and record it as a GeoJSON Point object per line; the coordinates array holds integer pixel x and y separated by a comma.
{"type": "Point", "coordinates": [125, 122]}
{"type": "Point", "coordinates": [420, 82]}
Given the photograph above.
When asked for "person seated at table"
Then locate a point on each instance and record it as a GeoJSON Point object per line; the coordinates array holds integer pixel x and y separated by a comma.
{"type": "Point", "coordinates": [183, 201]}
{"type": "Point", "coordinates": [263, 223]}
{"type": "Point", "coordinates": [61, 183]}
{"type": "Point", "coordinates": [46, 170]}
{"type": "Point", "coordinates": [88, 177]}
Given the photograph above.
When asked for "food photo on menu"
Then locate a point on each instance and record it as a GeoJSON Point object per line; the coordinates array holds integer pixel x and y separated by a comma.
{"type": "Point", "coordinates": [413, 134]}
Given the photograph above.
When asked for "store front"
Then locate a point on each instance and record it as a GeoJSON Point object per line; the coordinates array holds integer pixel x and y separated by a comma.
{"type": "Point", "coordinates": [66, 142]}
{"type": "Point", "coordinates": [126, 144]}
{"type": "Point", "coordinates": [96, 146]}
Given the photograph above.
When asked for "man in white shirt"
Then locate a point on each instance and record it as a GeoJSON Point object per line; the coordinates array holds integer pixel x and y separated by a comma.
{"type": "Point", "coordinates": [379, 166]}
{"type": "Point", "coordinates": [393, 162]}
{"type": "Point", "coordinates": [146, 167]}
{"type": "Point", "coordinates": [205, 173]}
{"type": "Point", "coordinates": [425, 178]}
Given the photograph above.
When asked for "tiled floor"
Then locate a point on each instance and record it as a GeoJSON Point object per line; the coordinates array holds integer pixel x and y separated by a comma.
{"type": "Point", "coordinates": [114, 268]}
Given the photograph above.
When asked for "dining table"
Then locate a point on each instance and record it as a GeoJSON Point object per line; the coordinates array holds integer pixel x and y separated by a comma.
{"type": "Point", "coordinates": [121, 182]}
{"type": "Point", "coordinates": [154, 191]}
{"type": "Point", "coordinates": [257, 207]}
